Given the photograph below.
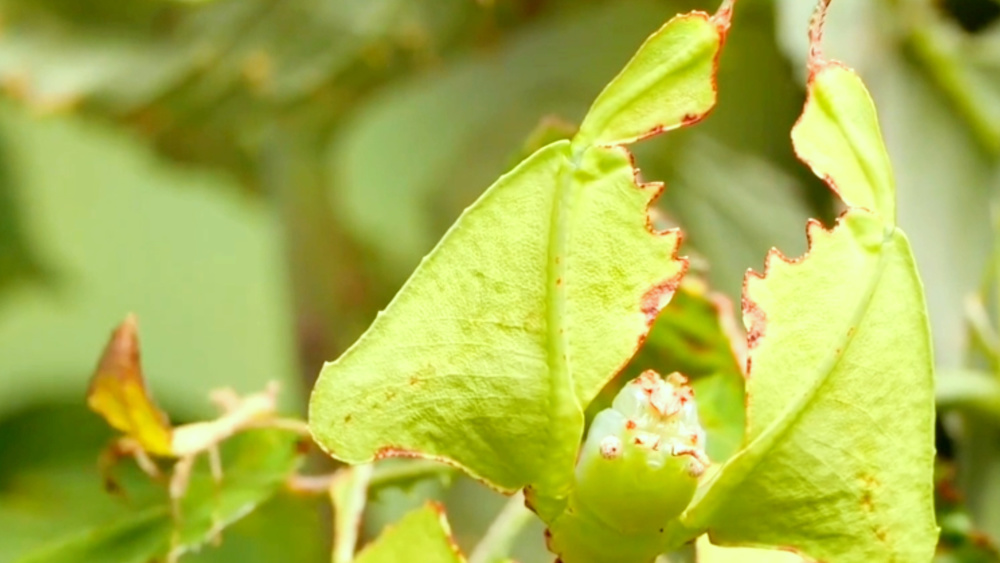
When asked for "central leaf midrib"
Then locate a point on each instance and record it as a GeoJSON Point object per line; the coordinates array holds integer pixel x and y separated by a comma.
{"type": "Point", "coordinates": [777, 430]}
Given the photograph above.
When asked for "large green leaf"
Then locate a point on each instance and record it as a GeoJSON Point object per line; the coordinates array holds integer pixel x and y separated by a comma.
{"type": "Point", "coordinates": [841, 457]}
{"type": "Point", "coordinates": [422, 534]}
{"type": "Point", "coordinates": [538, 294]}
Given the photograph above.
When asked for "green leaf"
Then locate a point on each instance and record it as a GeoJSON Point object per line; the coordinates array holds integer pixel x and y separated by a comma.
{"type": "Point", "coordinates": [833, 337]}
{"type": "Point", "coordinates": [258, 465]}
{"type": "Point", "coordinates": [537, 295]}
{"type": "Point", "coordinates": [136, 539]}
{"type": "Point", "coordinates": [422, 536]}
{"type": "Point", "coordinates": [679, 58]}
{"type": "Point", "coordinates": [255, 465]}
{"type": "Point", "coordinates": [838, 137]}
{"type": "Point", "coordinates": [825, 434]}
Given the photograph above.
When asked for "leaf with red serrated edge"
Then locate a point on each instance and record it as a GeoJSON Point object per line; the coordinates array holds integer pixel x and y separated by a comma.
{"type": "Point", "coordinates": [539, 294]}
{"type": "Point", "coordinates": [422, 536]}
{"type": "Point", "coordinates": [118, 393]}
{"type": "Point", "coordinates": [840, 408]}
{"type": "Point", "coordinates": [838, 134]}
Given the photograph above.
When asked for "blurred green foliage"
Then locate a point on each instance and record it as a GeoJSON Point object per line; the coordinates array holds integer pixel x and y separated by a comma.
{"type": "Point", "coordinates": [255, 178]}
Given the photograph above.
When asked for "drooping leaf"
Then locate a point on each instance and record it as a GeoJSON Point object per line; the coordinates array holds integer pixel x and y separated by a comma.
{"type": "Point", "coordinates": [912, 109]}
{"type": "Point", "coordinates": [839, 454]}
{"type": "Point", "coordinates": [118, 392]}
{"type": "Point", "coordinates": [422, 536]}
{"type": "Point", "coordinates": [532, 301]}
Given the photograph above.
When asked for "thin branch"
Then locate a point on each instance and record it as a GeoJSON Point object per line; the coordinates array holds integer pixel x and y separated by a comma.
{"type": "Point", "coordinates": [349, 494]}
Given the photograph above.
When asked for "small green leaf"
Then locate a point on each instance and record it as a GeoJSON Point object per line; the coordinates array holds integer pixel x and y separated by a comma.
{"type": "Point", "coordinates": [422, 536]}
{"type": "Point", "coordinates": [669, 83]}
{"type": "Point", "coordinates": [838, 136]}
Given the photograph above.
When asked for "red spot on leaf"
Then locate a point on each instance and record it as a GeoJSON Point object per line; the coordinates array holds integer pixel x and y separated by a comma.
{"type": "Point", "coordinates": [756, 321]}
{"type": "Point", "coordinates": [390, 451]}
{"type": "Point", "coordinates": [657, 298]}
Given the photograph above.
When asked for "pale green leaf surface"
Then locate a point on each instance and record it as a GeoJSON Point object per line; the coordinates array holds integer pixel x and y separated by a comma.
{"type": "Point", "coordinates": [257, 466]}
{"type": "Point", "coordinates": [670, 82]}
{"type": "Point", "coordinates": [838, 137]}
{"type": "Point", "coordinates": [497, 318]}
{"type": "Point", "coordinates": [840, 406]}
{"type": "Point", "coordinates": [422, 536]}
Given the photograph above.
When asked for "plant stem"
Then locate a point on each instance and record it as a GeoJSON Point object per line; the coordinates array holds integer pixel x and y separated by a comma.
{"type": "Point", "coordinates": [495, 545]}
{"type": "Point", "coordinates": [383, 475]}
{"type": "Point", "coordinates": [349, 494]}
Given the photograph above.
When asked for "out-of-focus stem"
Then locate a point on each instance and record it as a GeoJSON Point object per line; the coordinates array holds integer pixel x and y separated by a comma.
{"type": "Point", "coordinates": [349, 494]}
{"type": "Point", "coordinates": [496, 544]}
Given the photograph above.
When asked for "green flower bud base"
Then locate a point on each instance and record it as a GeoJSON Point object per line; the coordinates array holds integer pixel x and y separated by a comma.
{"type": "Point", "coordinates": [637, 471]}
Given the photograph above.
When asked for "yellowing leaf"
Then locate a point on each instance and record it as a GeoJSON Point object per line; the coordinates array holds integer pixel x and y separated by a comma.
{"type": "Point", "coordinates": [118, 393]}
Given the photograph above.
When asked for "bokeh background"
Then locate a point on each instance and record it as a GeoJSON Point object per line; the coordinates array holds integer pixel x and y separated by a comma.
{"type": "Point", "coordinates": [256, 178]}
